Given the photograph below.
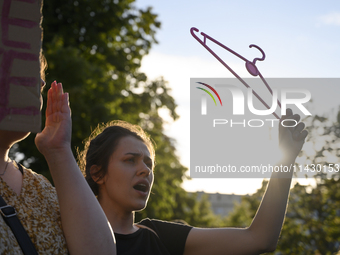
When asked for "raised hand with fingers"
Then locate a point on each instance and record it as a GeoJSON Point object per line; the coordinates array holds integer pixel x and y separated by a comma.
{"type": "Point", "coordinates": [291, 134]}
{"type": "Point", "coordinates": [57, 132]}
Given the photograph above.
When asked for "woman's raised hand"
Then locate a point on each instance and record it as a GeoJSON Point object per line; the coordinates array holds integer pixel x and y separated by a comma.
{"type": "Point", "coordinates": [291, 137]}
{"type": "Point", "coordinates": [57, 132]}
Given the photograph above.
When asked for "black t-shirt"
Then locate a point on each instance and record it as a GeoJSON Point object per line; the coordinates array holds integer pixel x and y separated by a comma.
{"type": "Point", "coordinates": [170, 241]}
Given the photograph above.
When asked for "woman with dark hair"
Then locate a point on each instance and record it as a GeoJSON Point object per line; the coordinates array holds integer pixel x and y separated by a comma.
{"type": "Point", "coordinates": [118, 163]}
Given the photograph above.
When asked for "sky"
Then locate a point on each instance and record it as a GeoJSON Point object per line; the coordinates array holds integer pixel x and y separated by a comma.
{"type": "Point", "coordinates": [300, 40]}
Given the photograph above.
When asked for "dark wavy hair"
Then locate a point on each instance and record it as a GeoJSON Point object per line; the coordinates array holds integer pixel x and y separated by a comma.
{"type": "Point", "coordinates": [103, 142]}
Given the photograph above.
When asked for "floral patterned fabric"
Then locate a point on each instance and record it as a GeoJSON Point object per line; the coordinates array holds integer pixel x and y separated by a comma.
{"type": "Point", "coordinates": [38, 210]}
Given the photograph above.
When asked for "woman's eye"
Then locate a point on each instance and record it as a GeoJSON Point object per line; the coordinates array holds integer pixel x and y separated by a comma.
{"type": "Point", "coordinates": [132, 160]}
{"type": "Point", "coordinates": [149, 165]}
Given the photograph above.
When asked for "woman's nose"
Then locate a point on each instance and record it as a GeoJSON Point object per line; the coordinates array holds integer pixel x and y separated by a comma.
{"type": "Point", "coordinates": [144, 170]}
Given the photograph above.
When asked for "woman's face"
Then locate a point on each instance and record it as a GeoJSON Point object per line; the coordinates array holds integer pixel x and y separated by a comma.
{"type": "Point", "coordinates": [8, 138]}
{"type": "Point", "coordinates": [129, 177]}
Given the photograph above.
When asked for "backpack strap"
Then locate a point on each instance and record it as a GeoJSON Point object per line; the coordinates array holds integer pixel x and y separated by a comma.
{"type": "Point", "coordinates": [145, 227]}
{"type": "Point", "coordinates": [20, 168]}
{"type": "Point", "coordinates": [10, 217]}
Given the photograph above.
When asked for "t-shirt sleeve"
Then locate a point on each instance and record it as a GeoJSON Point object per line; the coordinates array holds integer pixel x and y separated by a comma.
{"type": "Point", "coordinates": [172, 235]}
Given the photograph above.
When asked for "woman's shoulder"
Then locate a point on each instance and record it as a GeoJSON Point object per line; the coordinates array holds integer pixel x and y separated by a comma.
{"type": "Point", "coordinates": [37, 184]}
{"type": "Point", "coordinates": [173, 234]}
{"type": "Point", "coordinates": [30, 175]}
{"type": "Point", "coordinates": [148, 221]}
{"type": "Point", "coordinates": [165, 229]}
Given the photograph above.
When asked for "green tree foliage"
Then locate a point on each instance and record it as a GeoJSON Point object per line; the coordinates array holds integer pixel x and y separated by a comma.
{"type": "Point", "coordinates": [245, 211]}
{"type": "Point", "coordinates": [95, 49]}
{"type": "Point", "coordinates": [312, 224]}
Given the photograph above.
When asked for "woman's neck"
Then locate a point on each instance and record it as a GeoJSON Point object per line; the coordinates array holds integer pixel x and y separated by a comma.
{"type": "Point", "coordinates": [122, 222]}
{"type": "Point", "coordinates": [3, 157]}
{"type": "Point", "coordinates": [9, 173]}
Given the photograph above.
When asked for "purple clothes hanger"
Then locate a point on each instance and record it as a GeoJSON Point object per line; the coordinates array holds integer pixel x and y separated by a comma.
{"type": "Point", "coordinates": [251, 67]}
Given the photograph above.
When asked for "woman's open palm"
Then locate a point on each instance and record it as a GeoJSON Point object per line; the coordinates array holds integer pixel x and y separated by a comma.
{"type": "Point", "coordinates": [57, 132]}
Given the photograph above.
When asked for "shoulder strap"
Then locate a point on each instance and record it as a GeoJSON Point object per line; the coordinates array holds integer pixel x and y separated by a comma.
{"type": "Point", "coordinates": [143, 226]}
{"type": "Point", "coordinates": [10, 217]}
{"type": "Point", "coordinates": [20, 168]}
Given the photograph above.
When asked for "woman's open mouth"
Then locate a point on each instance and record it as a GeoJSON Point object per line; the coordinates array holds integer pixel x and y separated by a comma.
{"type": "Point", "coordinates": [142, 187]}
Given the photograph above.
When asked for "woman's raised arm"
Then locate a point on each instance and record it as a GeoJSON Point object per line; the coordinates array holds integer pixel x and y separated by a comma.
{"type": "Point", "coordinates": [84, 223]}
{"type": "Point", "coordinates": [263, 233]}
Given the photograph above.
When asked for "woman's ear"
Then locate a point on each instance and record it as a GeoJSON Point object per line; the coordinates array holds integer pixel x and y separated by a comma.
{"type": "Point", "coordinates": [96, 175]}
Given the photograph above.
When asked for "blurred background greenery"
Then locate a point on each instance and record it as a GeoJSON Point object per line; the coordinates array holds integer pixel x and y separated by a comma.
{"type": "Point", "coordinates": [95, 49]}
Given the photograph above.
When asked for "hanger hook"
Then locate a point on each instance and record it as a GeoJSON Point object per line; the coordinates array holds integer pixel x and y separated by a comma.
{"type": "Point", "coordinates": [251, 67]}
{"type": "Point", "coordinates": [263, 54]}
{"type": "Point", "coordinates": [193, 34]}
